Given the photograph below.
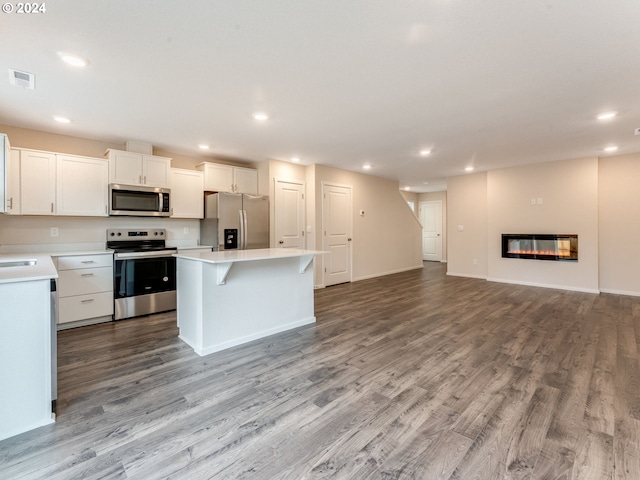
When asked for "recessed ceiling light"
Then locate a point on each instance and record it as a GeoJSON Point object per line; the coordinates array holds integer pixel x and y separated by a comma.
{"type": "Point", "coordinates": [366, 166]}
{"type": "Point", "coordinates": [203, 147]}
{"type": "Point", "coordinates": [468, 169]}
{"type": "Point", "coordinates": [295, 159]}
{"type": "Point", "coordinates": [73, 59]}
{"type": "Point", "coordinates": [61, 119]}
{"type": "Point", "coordinates": [606, 116]}
{"type": "Point", "coordinates": [406, 189]}
{"type": "Point", "coordinates": [612, 148]}
{"type": "Point", "coordinates": [260, 116]}
{"type": "Point", "coordinates": [424, 153]}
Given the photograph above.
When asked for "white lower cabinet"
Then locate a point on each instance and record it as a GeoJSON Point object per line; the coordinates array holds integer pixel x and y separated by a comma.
{"type": "Point", "coordinates": [85, 288]}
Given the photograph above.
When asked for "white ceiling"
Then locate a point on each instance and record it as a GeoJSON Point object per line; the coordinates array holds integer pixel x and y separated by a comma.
{"type": "Point", "coordinates": [488, 83]}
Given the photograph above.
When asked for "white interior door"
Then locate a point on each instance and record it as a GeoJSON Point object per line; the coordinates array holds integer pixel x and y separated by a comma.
{"type": "Point", "coordinates": [289, 214]}
{"type": "Point", "coordinates": [336, 225]}
{"type": "Point", "coordinates": [431, 220]}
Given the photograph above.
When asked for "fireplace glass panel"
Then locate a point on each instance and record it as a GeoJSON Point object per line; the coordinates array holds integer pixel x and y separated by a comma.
{"type": "Point", "coordinates": [540, 246]}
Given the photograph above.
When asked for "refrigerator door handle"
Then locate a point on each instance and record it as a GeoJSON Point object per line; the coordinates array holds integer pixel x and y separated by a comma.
{"type": "Point", "coordinates": [244, 229]}
{"type": "Point", "coordinates": [240, 230]}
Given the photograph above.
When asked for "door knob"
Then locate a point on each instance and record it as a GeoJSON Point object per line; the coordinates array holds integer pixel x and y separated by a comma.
{"type": "Point", "coordinates": [348, 239]}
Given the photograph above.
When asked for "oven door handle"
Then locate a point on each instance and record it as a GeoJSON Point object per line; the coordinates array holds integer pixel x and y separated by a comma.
{"type": "Point", "coordinates": [156, 254]}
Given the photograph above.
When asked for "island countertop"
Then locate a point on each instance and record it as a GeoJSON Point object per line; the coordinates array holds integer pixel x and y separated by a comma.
{"type": "Point", "coordinates": [227, 256]}
{"type": "Point", "coordinates": [37, 266]}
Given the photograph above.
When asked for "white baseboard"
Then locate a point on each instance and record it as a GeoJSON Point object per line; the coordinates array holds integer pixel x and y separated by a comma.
{"type": "Point", "coordinates": [375, 275]}
{"type": "Point", "coordinates": [545, 285]}
{"type": "Point", "coordinates": [620, 292]}
{"type": "Point", "coordinates": [467, 275]}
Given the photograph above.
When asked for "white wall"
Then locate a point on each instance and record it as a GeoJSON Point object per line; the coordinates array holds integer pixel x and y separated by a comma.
{"type": "Point", "coordinates": [619, 219]}
{"type": "Point", "coordinates": [569, 193]}
{"type": "Point", "coordinates": [32, 233]}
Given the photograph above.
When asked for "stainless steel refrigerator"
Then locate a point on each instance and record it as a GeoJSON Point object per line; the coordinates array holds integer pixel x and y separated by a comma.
{"type": "Point", "coordinates": [235, 221]}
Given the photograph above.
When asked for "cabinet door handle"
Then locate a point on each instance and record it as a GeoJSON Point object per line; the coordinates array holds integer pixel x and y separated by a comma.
{"type": "Point", "coordinates": [87, 261]}
{"type": "Point", "coordinates": [87, 274]}
{"type": "Point", "coordinates": [10, 202]}
{"type": "Point", "coordinates": [281, 242]}
{"type": "Point", "coordinates": [145, 179]}
{"type": "Point", "coordinates": [140, 179]}
{"type": "Point", "coordinates": [51, 207]}
{"type": "Point", "coordinates": [88, 300]}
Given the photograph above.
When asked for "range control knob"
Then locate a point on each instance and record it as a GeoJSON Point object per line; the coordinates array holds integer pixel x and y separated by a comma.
{"type": "Point", "coordinates": [112, 234]}
{"type": "Point", "coordinates": [155, 233]}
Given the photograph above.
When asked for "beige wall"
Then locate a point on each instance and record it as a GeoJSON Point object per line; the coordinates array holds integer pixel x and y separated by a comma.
{"type": "Point", "coordinates": [619, 219]}
{"type": "Point", "coordinates": [435, 197]}
{"type": "Point", "coordinates": [387, 238]}
{"type": "Point", "coordinates": [569, 193]}
{"type": "Point", "coordinates": [467, 225]}
{"type": "Point", "coordinates": [53, 142]}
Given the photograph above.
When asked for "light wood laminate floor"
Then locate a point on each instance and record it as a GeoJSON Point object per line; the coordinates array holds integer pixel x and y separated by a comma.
{"type": "Point", "coordinates": [412, 375]}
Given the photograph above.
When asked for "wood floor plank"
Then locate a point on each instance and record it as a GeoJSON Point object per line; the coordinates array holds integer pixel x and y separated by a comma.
{"type": "Point", "coordinates": [413, 375]}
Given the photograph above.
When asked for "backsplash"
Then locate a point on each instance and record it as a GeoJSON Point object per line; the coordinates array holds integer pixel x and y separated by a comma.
{"type": "Point", "coordinates": [34, 233]}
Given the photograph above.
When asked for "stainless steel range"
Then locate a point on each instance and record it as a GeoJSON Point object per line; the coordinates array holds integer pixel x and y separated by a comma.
{"type": "Point", "coordinates": [144, 272]}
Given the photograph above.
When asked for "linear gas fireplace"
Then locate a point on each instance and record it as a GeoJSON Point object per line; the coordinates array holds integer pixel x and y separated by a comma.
{"type": "Point", "coordinates": [558, 247]}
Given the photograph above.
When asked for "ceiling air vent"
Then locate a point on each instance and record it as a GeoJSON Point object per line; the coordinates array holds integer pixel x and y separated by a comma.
{"type": "Point", "coordinates": [22, 79]}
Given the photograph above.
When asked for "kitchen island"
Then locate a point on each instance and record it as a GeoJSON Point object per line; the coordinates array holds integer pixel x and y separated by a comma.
{"type": "Point", "coordinates": [26, 335]}
{"type": "Point", "coordinates": [232, 297]}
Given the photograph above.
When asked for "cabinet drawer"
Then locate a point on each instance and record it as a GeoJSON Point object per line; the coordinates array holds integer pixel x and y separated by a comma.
{"type": "Point", "coordinates": [82, 307]}
{"type": "Point", "coordinates": [84, 261]}
{"type": "Point", "coordinates": [85, 280]}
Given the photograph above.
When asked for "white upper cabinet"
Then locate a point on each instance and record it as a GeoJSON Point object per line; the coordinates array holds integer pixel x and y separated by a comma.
{"type": "Point", "coordinates": [131, 168]}
{"type": "Point", "coordinates": [226, 178]}
{"type": "Point", "coordinates": [187, 188]}
{"type": "Point", "coordinates": [246, 180]}
{"type": "Point", "coordinates": [37, 183]}
{"type": "Point", "coordinates": [46, 183]}
{"type": "Point", "coordinates": [155, 171]}
{"type": "Point", "coordinates": [13, 183]}
{"type": "Point", "coordinates": [217, 177]}
{"type": "Point", "coordinates": [82, 186]}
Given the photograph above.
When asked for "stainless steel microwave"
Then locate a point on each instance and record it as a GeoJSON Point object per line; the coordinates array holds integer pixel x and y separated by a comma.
{"type": "Point", "coordinates": [139, 201]}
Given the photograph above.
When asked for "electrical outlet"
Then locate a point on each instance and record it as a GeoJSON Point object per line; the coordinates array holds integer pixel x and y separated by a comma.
{"type": "Point", "coordinates": [475, 261]}
{"type": "Point", "coordinates": [185, 230]}
{"type": "Point", "coordinates": [54, 231]}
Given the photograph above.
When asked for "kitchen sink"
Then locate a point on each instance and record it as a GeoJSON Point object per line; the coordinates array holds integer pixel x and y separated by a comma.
{"type": "Point", "coordinates": [18, 263]}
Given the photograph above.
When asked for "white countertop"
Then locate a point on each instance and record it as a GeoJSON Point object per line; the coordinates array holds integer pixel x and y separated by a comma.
{"type": "Point", "coordinates": [42, 270]}
{"type": "Point", "coordinates": [231, 256]}
{"type": "Point", "coordinates": [84, 252]}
